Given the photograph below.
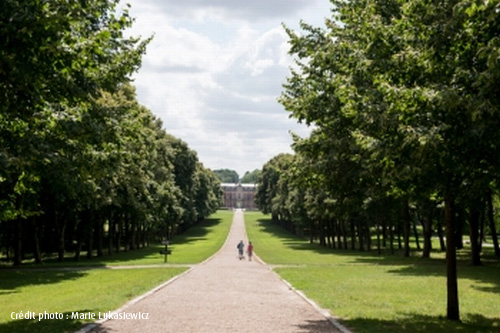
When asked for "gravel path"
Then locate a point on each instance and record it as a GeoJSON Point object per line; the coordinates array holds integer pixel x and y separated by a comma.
{"type": "Point", "coordinates": [223, 294]}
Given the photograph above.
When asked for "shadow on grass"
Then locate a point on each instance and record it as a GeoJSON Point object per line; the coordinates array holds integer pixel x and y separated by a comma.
{"type": "Point", "coordinates": [420, 323]}
{"type": "Point", "coordinates": [11, 280]}
{"type": "Point", "coordinates": [409, 266]}
{"type": "Point", "coordinates": [316, 326]}
{"type": "Point", "coordinates": [194, 233]}
{"type": "Point", "coordinates": [66, 324]}
{"type": "Point", "coordinates": [197, 232]}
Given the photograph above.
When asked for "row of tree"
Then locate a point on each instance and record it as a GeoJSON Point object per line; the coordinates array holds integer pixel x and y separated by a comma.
{"type": "Point", "coordinates": [404, 101]}
{"type": "Point", "coordinates": [231, 176]}
{"type": "Point", "coordinates": [83, 166]}
{"type": "Point", "coordinates": [298, 199]}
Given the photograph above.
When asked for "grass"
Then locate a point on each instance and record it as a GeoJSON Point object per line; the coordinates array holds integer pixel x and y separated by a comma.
{"type": "Point", "coordinates": [65, 292]}
{"type": "Point", "coordinates": [380, 293]}
{"type": "Point", "coordinates": [199, 243]}
{"type": "Point", "coordinates": [79, 288]}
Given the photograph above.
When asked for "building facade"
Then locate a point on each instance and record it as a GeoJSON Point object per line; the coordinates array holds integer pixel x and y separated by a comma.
{"type": "Point", "coordinates": [238, 196]}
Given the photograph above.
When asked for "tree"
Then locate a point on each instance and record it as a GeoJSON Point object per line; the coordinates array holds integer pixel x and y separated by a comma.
{"type": "Point", "coordinates": [271, 190]}
{"type": "Point", "coordinates": [251, 177]}
{"type": "Point", "coordinates": [55, 57]}
{"type": "Point", "coordinates": [227, 176]}
{"type": "Point", "coordinates": [406, 88]}
{"type": "Point", "coordinates": [80, 159]}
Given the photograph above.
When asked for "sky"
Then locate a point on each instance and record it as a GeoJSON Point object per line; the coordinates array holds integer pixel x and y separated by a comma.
{"type": "Point", "coordinates": [214, 71]}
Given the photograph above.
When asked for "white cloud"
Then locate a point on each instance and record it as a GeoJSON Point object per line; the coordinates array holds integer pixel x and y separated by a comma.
{"type": "Point", "coordinates": [230, 9]}
{"type": "Point", "coordinates": [213, 73]}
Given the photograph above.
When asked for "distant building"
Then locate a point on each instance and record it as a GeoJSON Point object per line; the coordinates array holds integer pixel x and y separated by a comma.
{"type": "Point", "coordinates": [238, 196]}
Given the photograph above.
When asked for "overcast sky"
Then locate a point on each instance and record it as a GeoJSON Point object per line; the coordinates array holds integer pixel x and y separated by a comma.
{"type": "Point", "coordinates": [214, 71]}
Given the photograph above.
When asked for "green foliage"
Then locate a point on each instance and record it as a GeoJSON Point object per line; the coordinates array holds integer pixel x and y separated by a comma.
{"type": "Point", "coordinates": [81, 161]}
{"type": "Point", "coordinates": [250, 177]}
{"type": "Point", "coordinates": [269, 193]}
{"type": "Point", "coordinates": [405, 124]}
{"type": "Point", "coordinates": [227, 176]}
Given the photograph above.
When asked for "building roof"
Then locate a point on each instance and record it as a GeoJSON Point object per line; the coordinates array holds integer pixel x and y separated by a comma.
{"type": "Point", "coordinates": [236, 185]}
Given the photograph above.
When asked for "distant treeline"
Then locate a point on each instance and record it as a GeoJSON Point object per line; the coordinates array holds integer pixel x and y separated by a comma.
{"type": "Point", "coordinates": [231, 176]}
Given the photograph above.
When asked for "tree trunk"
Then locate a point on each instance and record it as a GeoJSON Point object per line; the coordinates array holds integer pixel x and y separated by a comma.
{"type": "Point", "coordinates": [474, 216]}
{"type": "Point", "coordinates": [353, 236]}
{"type": "Point", "coordinates": [111, 233]}
{"type": "Point", "coordinates": [338, 228]}
{"type": "Point", "coordinates": [368, 238]}
{"type": "Point", "coordinates": [361, 236]}
{"type": "Point", "coordinates": [379, 250]}
{"type": "Point", "coordinates": [332, 228]}
{"type": "Point", "coordinates": [99, 233]}
{"type": "Point", "coordinates": [80, 232]}
{"type": "Point", "coordinates": [90, 239]}
{"type": "Point", "coordinates": [391, 238]}
{"type": "Point", "coordinates": [459, 228]}
{"type": "Point", "coordinates": [78, 249]}
{"type": "Point", "coordinates": [119, 233]}
{"type": "Point", "coordinates": [481, 229]}
{"type": "Point", "coordinates": [36, 241]}
{"type": "Point", "coordinates": [491, 220]}
{"type": "Point", "coordinates": [406, 227]}
{"type": "Point", "coordinates": [452, 311]}
{"type": "Point", "coordinates": [384, 232]}
{"type": "Point", "coordinates": [415, 234]}
{"type": "Point", "coordinates": [322, 238]}
{"type": "Point", "coordinates": [427, 226]}
{"type": "Point", "coordinates": [344, 235]}
{"type": "Point", "coordinates": [18, 246]}
{"type": "Point", "coordinates": [61, 231]}
{"type": "Point", "coordinates": [128, 233]}
{"type": "Point", "coordinates": [398, 231]}
{"type": "Point", "coordinates": [440, 235]}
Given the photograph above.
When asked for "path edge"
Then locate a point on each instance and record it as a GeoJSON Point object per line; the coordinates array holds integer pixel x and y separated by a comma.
{"type": "Point", "coordinates": [332, 319]}
{"type": "Point", "coordinates": [90, 326]}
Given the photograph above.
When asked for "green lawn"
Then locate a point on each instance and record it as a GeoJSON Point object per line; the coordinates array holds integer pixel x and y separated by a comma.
{"type": "Point", "coordinates": [64, 292]}
{"type": "Point", "coordinates": [380, 293]}
{"type": "Point", "coordinates": [81, 289]}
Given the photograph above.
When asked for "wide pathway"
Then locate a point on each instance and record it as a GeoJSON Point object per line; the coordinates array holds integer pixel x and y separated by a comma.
{"type": "Point", "coordinates": [223, 294]}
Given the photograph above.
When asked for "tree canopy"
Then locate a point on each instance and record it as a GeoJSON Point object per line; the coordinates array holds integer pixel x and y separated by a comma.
{"type": "Point", "coordinates": [227, 176]}
{"type": "Point", "coordinates": [405, 111]}
{"type": "Point", "coordinates": [81, 161]}
{"type": "Point", "coordinates": [250, 177]}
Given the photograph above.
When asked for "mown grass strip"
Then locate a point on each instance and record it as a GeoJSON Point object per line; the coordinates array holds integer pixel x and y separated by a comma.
{"type": "Point", "coordinates": [202, 241]}
{"type": "Point", "coordinates": [85, 290]}
{"type": "Point", "coordinates": [379, 293]}
{"type": "Point", "coordinates": [67, 292]}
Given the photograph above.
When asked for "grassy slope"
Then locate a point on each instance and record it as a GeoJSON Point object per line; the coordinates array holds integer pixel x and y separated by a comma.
{"type": "Point", "coordinates": [373, 293]}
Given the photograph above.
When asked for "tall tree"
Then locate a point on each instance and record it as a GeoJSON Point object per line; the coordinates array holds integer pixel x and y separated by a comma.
{"type": "Point", "coordinates": [227, 176]}
{"type": "Point", "coordinates": [251, 177]}
{"type": "Point", "coordinates": [408, 84]}
{"type": "Point", "coordinates": [55, 56]}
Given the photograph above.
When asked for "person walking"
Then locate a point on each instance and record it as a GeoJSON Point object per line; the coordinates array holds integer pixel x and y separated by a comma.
{"type": "Point", "coordinates": [250, 251]}
{"type": "Point", "coordinates": [241, 247]}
